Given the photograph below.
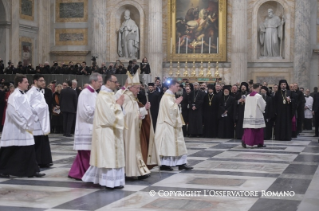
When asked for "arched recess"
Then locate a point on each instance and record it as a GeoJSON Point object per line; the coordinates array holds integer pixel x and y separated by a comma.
{"type": "Point", "coordinates": [116, 19]}
{"type": "Point", "coordinates": [280, 7]}
{"type": "Point", "coordinates": [4, 30]}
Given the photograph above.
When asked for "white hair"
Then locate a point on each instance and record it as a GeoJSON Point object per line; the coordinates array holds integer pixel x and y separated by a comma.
{"type": "Point", "coordinates": [74, 81]}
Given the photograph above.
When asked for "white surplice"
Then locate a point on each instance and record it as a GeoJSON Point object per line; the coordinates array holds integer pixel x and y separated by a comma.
{"type": "Point", "coordinates": [84, 119]}
{"type": "Point", "coordinates": [41, 110]}
{"type": "Point", "coordinates": [18, 126]}
{"type": "Point", "coordinates": [107, 150]}
{"type": "Point", "coordinates": [309, 103]}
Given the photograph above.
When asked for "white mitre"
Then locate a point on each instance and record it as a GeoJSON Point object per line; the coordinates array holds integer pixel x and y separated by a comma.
{"type": "Point", "coordinates": [133, 80]}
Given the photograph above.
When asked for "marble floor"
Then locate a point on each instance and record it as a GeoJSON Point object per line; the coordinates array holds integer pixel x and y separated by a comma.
{"type": "Point", "coordinates": [225, 177]}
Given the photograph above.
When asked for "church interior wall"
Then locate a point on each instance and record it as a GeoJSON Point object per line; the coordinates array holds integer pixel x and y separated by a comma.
{"type": "Point", "coordinates": [74, 37]}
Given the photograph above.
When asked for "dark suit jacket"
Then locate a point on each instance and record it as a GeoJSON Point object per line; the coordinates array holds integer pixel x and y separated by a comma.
{"type": "Point", "coordinates": [315, 106]}
{"type": "Point", "coordinates": [68, 100]}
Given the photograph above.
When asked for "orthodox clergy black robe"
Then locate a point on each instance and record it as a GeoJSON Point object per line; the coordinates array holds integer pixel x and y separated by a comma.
{"type": "Point", "coordinates": [300, 109]}
{"type": "Point", "coordinates": [195, 126]}
{"type": "Point", "coordinates": [154, 98]}
{"type": "Point", "coordinates": [185, 111]}
{"type": "Point", "coordinates": [226, 124]}
{"type": "Point", "coordinates": [210, 115]}
{"type": "Point", "coordinates": [269, 117]}
{"type": "Point", "coordinates": [141, 96]}
{"type": "Point", "coordinates": [239, 110]}
{"type": "Point", "coordinates": [284, 114]}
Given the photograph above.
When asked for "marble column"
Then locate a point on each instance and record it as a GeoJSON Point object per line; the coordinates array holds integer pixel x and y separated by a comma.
{"type": "Point", "coordinates": [239, 41]}
{"type": "Point", "coordinates": [302, 49]}
{"type": "Point", "coordinates": [99, 30]}
{"type": "Point", "coordinates": [44, 32]}
{"type": "Point", "coordinates": [15, 56]}
{"type": "Point", "coordinates": [155, 38]}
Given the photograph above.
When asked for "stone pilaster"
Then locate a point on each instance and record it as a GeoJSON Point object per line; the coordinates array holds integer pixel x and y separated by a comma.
{"type": "Point", "coordinates": [44, 32]}
{"type": "Point", "coordinates": [239, 41]}
{"type": "Point", "coordinates": [155, 38]}
{"type": "Point", "coordinates": [302, 49]}
{"type": "Point", "coordinates": [99, 30]}
{"type": "Point", "coordinates": [14, 40]}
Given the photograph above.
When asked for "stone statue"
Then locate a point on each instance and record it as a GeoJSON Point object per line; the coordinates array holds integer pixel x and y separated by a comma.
{"type": "Point", "coordinates": [128, 42]}
{"type": "Point", "coordinates": [271, 35]}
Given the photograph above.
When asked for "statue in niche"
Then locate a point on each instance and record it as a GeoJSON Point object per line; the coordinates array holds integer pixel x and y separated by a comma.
{"type": "Point", "coordinates": [271, 35]}
{"type": "Point", "coordinates": [128, 41]}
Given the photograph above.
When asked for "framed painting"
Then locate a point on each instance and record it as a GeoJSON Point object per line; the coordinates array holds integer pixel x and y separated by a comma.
{"type": "Point", "coordinates": [197, 30]}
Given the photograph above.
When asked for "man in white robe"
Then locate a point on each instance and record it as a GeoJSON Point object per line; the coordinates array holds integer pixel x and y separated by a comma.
{"type": "Point", "coordinates": [308, 111]}
{"type": "Point", "coordinates": [17, 154]}
{"type": "Point", "coordinates": [107, 150]}
{"type": "Point", "coordinates": [134, 165]}
{"type": "Point", "coordinates": [41, 123]}
{"type": "Point", "coordinates": [254, 121]}
{"type": "Point", "coordinates": [84, 127]}
{"type": "Point", "coordinates": [169, 139]}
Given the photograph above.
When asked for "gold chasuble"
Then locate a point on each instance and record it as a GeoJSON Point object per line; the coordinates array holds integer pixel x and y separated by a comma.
{"type": "Point", "coordinates": [107, 137]}
{"type": "Point", "coordinates": [169, 137]}
{"type": "Point", "coordinates": [134, 165]}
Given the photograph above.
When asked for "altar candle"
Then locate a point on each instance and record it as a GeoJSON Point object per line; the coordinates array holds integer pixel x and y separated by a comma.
{"type": "Point", "coordinates": [186, 44]}
{"type": "Point", "coordinates": [202, 44]}
{"type": "Point", "coordinates": [179, 45]}
{"type": "Point", "coordinates": [217, 44]}
{"type": "Point", "coordinates": [209, 43]}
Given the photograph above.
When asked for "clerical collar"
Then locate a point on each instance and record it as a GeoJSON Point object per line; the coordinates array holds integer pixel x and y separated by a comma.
{"type": "Point", "coordinates": [22, 92]}
{"type": "Point", "coordinates": [169, 92]}
{"type": "Point", "coordinates": [106, 89]}
{"type": "Point", "coordinates": [283, 90]}
{"type": "Point", "coordinates": [90, 88]}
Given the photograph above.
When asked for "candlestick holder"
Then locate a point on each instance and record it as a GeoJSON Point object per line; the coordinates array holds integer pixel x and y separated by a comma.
{"type": "Point", "coordinates": [193, 71]}
{"type": "Point", "coordinates": [217, 72]}
{"type": "Point", "coordinates": [186, 70]}
{"type": "Point", "coordinates": [178, 70]}
{"type": "Point", "coordinates": [170, 73]}
{"type": "Point", "coordinates": [208, 72]}
{"type": "Point", "coordinates": [201, 72]}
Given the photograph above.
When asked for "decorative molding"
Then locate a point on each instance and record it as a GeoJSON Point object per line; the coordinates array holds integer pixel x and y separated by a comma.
{"type": "Point", "coordinates": [70, 53]}
{"type": "Point", "coordinates": [25, 3]}
{"type": "Point", "coordinates": [59, 33]}
{"type": "Point", "coordinates": [68, 4]}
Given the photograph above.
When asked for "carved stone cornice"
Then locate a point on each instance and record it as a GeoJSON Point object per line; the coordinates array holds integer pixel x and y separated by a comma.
{"type": "Point", "coordinates": [70, 53]}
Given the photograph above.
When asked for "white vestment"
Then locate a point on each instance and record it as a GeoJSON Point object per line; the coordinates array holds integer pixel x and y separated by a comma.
{"type": "Point", "coordinates": [254, 109]}
{"type": "Point", "coordinates": [309, 103]}
{"type": "Point", "coordinates": [41, 110]}
{"type": "Point", "coordinates": [169, 139]}
{"type": "Point", "coordinates": [107, 150]}
{"type": "Point", "coordinates": [84, 119]}
{"type": "Point", "coordinates": [18, 126]}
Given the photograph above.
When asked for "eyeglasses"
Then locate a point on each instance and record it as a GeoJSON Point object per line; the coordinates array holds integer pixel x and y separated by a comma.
{"type": "Point", "coordinates": [114, 81]}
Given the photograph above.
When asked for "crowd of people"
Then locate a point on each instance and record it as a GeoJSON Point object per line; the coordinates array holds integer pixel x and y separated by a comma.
{"type": "Point", "coordinates": [76, 68]}
{"type": "Point", "coordinates": [124, 131]}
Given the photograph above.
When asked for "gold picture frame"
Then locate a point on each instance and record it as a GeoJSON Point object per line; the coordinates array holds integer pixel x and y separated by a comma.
{"type": "Point", "coordinates": [24, 16]}
{"type": "Point", "coordinates": [204, 42]}
{"type": "Point", "coordinates": [71, 19]}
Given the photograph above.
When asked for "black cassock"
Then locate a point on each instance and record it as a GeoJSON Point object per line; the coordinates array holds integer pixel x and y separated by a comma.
{"type": "Point", "coordinates": [269, 117]}
{"type": "Point", "coordinates": [185, 111]}
{"type": "Point", "coordinates": [300, 108]}
{"type": "Point", "coordinates": [210, 116]}
{"type": "Point", "coordinates": [195, 126]}
{"type": "Point", "coordinates": [141, 96]}
{"type": "Point", "coordinates": [284, 114]}
{"type": "Point", "coordinates": [226, 124]}
{"type": "Point", "coordinates": [154, 98]}
{"type": "Point", "coordinates": [239, 110]}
